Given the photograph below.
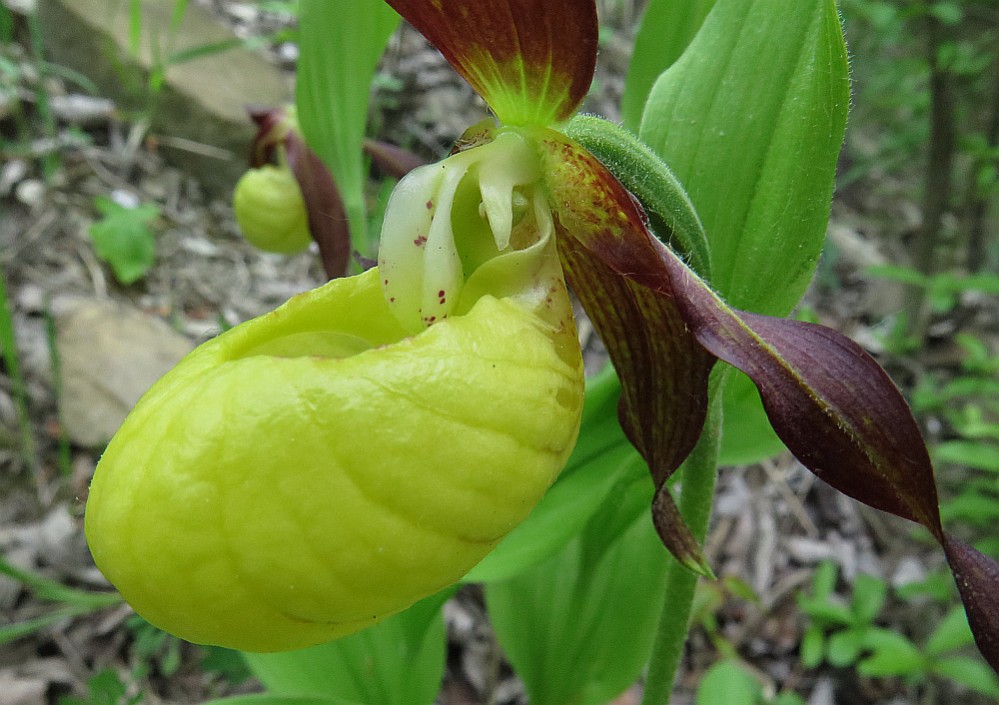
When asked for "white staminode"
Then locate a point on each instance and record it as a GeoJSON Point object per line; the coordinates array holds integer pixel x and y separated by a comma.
{"type": "Point", "coordinates": [475, 223]}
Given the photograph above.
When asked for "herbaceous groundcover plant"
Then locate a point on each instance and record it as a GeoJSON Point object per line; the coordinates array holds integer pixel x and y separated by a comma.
{"type": "Point", "coordinates": [319, 469]}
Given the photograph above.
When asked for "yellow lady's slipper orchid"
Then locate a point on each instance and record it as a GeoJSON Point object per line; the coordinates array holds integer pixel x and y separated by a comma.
{"type": "Point", "coordinates": [326, 465]}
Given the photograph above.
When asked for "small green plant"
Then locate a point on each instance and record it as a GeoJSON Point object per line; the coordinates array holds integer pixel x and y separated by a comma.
{"type": "Point", "coordinates": [163, 45]}
{"type": "Point", "coordinates": [731, 683]}
{"type": "Point", "coordinates": [124, 239]}
{"type": "Point", "coordinates": [152, 649]}
{"type": "Point", "coordinates": [838, 631]}
{"type": "Point", "coordinates": [965, 402]}
{"type": "Point", "coordinates": [104, 688]}
{"type": "Point", "coordinates": [845, 633]}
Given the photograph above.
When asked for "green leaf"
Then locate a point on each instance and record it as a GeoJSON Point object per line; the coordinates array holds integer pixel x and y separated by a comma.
{"type": "Point", "coordinates": [937, 586]}
{"type": "Point", "coordinates": [747, 436]}
{"type": "Point", "coordinates": [972, 454]}
{"type": "Point", "coordinates": [341, 43]}
{"type": "Point", "coordinates": [18, 630]}
{"type": "Point", "coordinates": [869, 594]}
{"type": "Point", "coordinates": [666, 29]}
{"type": "Point", "coordinates": [399, 661]}
{"type": "Point", "coordinates": [812, 646]}
{"type": "Point", "coordinates": [729, 683]}
{"type": "Point", "coordinates": [843, 648]}
{"type": "Point", "coordinates": [951, 633]}
{"type": "Point", "coordinates": [824, 580]}
{"type": "Point", "coordinates": [578, 627]}
{"type": "Point", "coordinates": [123, 239]}
{"type": "Point", "coordinates": [829, 612]}
{"type": "Point", "coordinates": [751, 119]}
{"type": "Point", "coordinates": [970, 672]}
{"type": "Point", "coordinates": [103, 688]}
{"type": "Point", "coordinates": [266, 699]}
{"type": "Point", "coordinates": [894, 655]}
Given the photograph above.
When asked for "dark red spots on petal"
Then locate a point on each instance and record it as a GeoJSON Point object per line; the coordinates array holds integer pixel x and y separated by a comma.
{"type": "Point", "coordinates": [420, 241]}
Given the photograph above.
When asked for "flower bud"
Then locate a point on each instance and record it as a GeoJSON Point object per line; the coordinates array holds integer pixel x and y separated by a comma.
{"type": "Point", "coordinates": [270, 210]}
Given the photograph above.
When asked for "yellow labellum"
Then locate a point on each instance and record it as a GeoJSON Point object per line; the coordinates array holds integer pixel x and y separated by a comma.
{"type": "Point", "coordinates": [316, 469]}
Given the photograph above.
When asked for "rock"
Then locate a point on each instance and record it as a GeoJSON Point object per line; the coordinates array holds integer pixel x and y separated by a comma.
{"type": "Point", "coordinates": [23, 691]}
{"type": "Point", "coordinates": [30, 192]}
{"type": "Point", "coordinates": [109, 355]}
{"type": "Point", "coordinates": [199, 114]}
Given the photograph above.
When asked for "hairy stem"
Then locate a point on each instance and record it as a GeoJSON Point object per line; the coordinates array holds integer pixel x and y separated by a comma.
{"type": "Point", "coordinates": [699, 471]}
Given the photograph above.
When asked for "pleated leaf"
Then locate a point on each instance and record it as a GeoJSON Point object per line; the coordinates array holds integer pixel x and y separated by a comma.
{"type": "Point", "coordinates": [751, 119]}
{"type": "Point", "coordinates": [341, 43]}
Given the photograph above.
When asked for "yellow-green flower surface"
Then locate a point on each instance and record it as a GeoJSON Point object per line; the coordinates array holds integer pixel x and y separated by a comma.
{"type": "Point", "coordinates": [270, 211]}
{"type": "Point", "coordinates": [326, 465]}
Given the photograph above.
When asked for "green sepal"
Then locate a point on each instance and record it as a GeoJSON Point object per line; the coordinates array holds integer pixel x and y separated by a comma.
{"type": "Point", "coordinates": [672, 217]}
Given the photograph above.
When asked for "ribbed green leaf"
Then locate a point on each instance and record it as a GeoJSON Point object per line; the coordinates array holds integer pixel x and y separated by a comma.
{"type": "Point", "coordinates": [666, 29]}
{"type": "Point", "coordinates": [341, 43]}
{"type": "Point", "coordinates": [399, 661]}
{"type": "Point", "coordinates": [265, 699]}
{"type": "Point", "coordinates": [578, 627]}
{"type": "Point", "coordinates": [751, 119]}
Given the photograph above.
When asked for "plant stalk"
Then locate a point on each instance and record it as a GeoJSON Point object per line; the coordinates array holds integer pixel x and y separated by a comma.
{"type": "Point", "coordinates": [939, 177]}
{"type": "Point", "coordinates": [697, 492]}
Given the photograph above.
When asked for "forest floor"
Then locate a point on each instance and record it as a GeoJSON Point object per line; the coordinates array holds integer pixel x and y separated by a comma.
{"type": "Point", "coordinates": [773, 522]}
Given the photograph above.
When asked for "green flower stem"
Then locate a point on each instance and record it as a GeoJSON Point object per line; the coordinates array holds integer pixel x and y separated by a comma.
{"type": "Point", "coordinates": [699, 472]}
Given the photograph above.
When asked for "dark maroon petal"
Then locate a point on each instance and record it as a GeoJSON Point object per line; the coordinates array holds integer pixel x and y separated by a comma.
{"type": "Point", "coordinates": [827, 399]}
{"type": "Point", "coordinates": [271, 131]}
{"type": "Point", "coordinates": [532, 60]}
{"type": "Point", "coordinates": [392, 160]}
{"type": "Point", "coordinates": [663, 371]}
{"type": "Point", "coordinates": [977, 579]}
{"type": "Point", "coordinates": [327, 216]}
{"type": "Point", "coordinates": [663, 380]}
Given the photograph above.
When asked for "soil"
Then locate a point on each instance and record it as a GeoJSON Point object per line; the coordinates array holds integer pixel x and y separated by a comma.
{"type": "Point", "coordinates": [772, 525]}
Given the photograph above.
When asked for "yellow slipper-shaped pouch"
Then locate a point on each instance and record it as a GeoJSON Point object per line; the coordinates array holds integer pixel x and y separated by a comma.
{"type": "Point", "coordinates": [321, 467]}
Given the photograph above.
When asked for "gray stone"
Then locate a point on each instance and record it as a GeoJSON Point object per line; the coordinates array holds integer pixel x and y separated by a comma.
{"type": "Point", "coordinates": [200, 112]}
{"type": "Point", "coordinates": [109, 355]}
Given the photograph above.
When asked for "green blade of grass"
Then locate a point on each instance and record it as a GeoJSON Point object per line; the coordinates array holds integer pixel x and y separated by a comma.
{"type": "Point", "coordinates": [18, 630]}
{"type": "Point", "coordinates": [57, 592]}
{"type": "Point", "coordinates": [8, 344]}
